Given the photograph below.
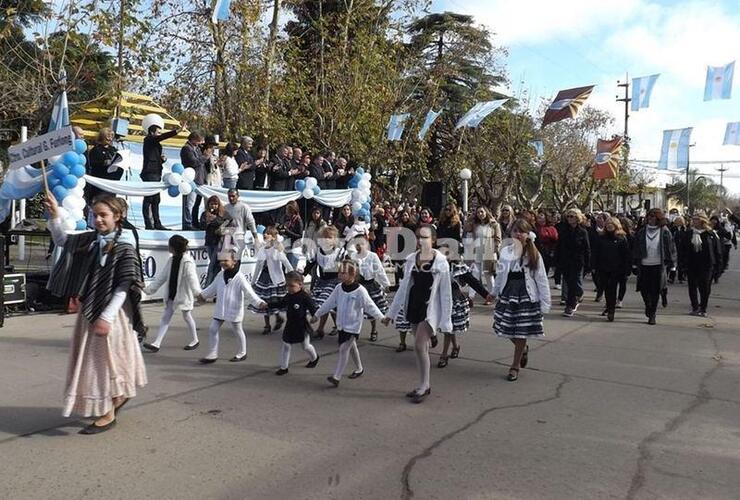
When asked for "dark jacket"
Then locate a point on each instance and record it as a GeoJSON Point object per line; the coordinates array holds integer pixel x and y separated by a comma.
{"type": "Point", "coordinates": [99, 159]}
{"type": "Point", "coordinates": [279, 176]}
{"type": "Point", "coordinates": [573, 250]}
{"type": "Point", "coordinates": [667, 249]}
{"type": "Point", "coordinates": [330, 182]}
{"type": "Point", "coordinates": [611, 254]}
{"type": "Point", "coordinates": [192, 157]}
{"type": "Point", "coordinates": [246, 177]}
{"type": "Point", "coordinates": [707, 260]}
{"type": "Point", "coordinates": [317, 172]}
{"type": "Point", "coordinates": [449, 232]}
{"type": "Point", "coordinates": [262, 174]}
{"type": "Point", "coordinates": [151, 170]}
{"type": "Point", "coordinates": [296, 306]}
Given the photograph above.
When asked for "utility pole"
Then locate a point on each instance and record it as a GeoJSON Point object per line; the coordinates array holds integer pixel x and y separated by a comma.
{"type": "Point", "coordinates": [688, 190]}
{"type": "Point", "coordinates": [626, 100]}
{"type": "Point", "coordinates": [722, 169]}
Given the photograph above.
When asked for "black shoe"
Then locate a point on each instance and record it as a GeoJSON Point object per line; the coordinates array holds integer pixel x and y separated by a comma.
{"type": "Point", "coordinates": [312, 364]}
{"type": "Point", "coordinates": [415, 392]}
{"type": "Point", "coordinates": [373, 336]}
{"type": "Point", "coordinates": [236, 359]}
{"type": "Point", "coordinates": [356, 374]}
{"type": "Point", "coordinates": [207, 361]}
{"type": "Point", "coordinates": [419, 397]}
{"type": "Point", "coordinates": [333, 332]}
{"type": "Point", "coordinates": [317, 336]}
{"type": "Point", "coordinates": [191, 347]}
{"type": "Point", "coordinates": [281, 371]}
{"type": "Point", "coordinates": [97, 429]}
{"type": "Point", "coordinates": [435, 341]}
{"type": "Point", "coordinates": [149, 347]}
{"type": "Point", "coordinates": [455, 353]}
{"type": "Point", "coordinates": [187, 228]}
{"type": "Point", "coordinates": [664, 300]}
{"type": "Point", "coordinates": [513, 375]}
{"type": "Point", "coordinates": [401, 347]}
{"type": "Point", "coordinates": [610, 316]}
{"type": "Point", "coordinates": [267, 330]}
{"type": "Point", "coordinates": [651, 320]}
{"type": "Point", "coordinates": [333, 381]}
{"type": "Point", "coordinates": [525, 357]}
{"type": "Point", "coordinates": [160, 227]}
{"type": "Point", "coordinates": [279, 323]}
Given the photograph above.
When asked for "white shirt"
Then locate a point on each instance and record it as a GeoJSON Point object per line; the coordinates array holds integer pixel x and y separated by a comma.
{"type": "Point", "coordinates": [276, 261]}
{"type": "Point", "coordinates": [371, 268]}
{"type": "Point", "coordinates": [230, 168]}
{"type": "Point", "coordinates": [230, 297]}
{"type": "Point", "coordinates": [351, 307]}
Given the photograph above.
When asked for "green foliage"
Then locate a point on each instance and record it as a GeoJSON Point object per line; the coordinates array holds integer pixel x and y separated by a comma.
{"type": "Point", "coordinates": [704, 193]}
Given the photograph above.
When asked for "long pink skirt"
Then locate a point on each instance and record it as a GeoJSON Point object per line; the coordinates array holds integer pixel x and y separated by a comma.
{"type": "Point", "coordinates": [101, 368]}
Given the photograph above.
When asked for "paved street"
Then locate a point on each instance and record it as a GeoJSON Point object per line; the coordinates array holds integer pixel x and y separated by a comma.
{"type": "Point", "coordinates": [620, 410]}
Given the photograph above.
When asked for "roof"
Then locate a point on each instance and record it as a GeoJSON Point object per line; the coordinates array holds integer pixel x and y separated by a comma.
{"type": "Point", "coordinates": [98, 114]}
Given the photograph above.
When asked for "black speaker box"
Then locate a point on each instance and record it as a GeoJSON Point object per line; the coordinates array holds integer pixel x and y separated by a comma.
{"type": "Point", "coordinates": [433, 196]}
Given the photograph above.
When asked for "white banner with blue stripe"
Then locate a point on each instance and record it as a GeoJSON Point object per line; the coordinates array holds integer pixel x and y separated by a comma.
{"type": "Point", "coordinates": [674, 154]}
{"type": "Point", "coordinates": [477, 113]}
{"type": "Point", "coordinates": [719, 82]}
{"type": "Point", "coordinates": [732, 134]}
{"type": "Point", "coordinates": [220, 11]}
{"type": "Point", "coordinates": [642, 88]}
{"type": "Point", "coordinates": [428, 122]}
{"type": "Point", "coordinates": [60, 113]}
{"type": "Point", "coordinates": [396, 125]}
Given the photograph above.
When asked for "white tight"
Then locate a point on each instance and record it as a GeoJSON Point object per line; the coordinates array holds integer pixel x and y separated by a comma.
{"type": "Point", "coordinates": [236, 327]}
{"type": "Point", "coordinates": [345, 350]}
{"type": "Point", "coordinates": [285, 352]}
{"type": "Point", "coordinates": [423, 334]}
{"type": "Point", "coordinates": [485, 277]}
{"type": "Point", "coordinates": [164, 324]}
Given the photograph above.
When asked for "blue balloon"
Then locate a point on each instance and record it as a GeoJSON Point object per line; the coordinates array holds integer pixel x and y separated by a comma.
{"type": "Point", "coordinates": [78, 170]}
{"type": "Point", "coordinates": [69, 181]}
{"type": "Point", "coordinates": [300, 185]}
{"type": "Point", "coordinates": [59, 192]}
{"type": "Point", "coordinates": [178, 168]}
{"type": "Point", "coordinates": [80, 146]}
{"type": "Point", "coordinates": [360, 171]}
{"type": "Point", "coordinates": [173, 191]}
{"type": "Point", "coordinates": [60, 170]}
{"type": "Point", "coordinates": [353, 183]}
{"type": "Point", "coordinates": [366, 205]}
{"type": "Point", "coordinates": [70, 158]}
{"type": "Point", "coordinates": [81, 225]}
{"type": "Point", "coordinates": [81, 160]}
{"type": "Point", "coordinates": [53, 181]}
{"type": "Point", "coordinates": [260, 229]}
{"type": "Point", "coordinates": [316, 190]}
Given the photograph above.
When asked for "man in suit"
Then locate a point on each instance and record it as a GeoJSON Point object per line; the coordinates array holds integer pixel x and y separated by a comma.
{"type": "Point", "coordinates": [191, 156]}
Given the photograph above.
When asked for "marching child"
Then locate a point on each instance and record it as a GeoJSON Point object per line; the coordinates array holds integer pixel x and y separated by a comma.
{"type": "Point", "coordinates": [372, 277]}
{"type": "Point", "coordinates": [350, 300]}
{"type": "Point", "coordinates": [182, 286]}
{"type": "Point", "coordinates": [297, 304]}
{"type": "Point", "coordinates": [230, 289]}
{"type": "Point", "coordinates": [329, 254]}
{"type": "Point", "coordinates": [269, 276]}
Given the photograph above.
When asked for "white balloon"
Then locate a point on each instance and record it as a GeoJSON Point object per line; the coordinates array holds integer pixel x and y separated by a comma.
{"type": "Point", "coordinates": [356, 205]}
{"type": "Point", "coordinates": [364, 185]}
{"type": "Point", "coordinates": [308, 193]}
{"type": "Point", "coordinates": [62, 213]}
{"type": "Point", "coordinates": [311, 183]}
{"type": "Point", "coordinates": [77, 214]}
{"type": "Point", "coordinates": [356, 195]}
{"type": "Point", "coordinates": [364, 198]}
{"type": "Point", "coordinates": [69, 224]}
{"type": "Point", "coordinates": [53, 160]}
{"type": "Point", "coordinates": [189, 174]}
{"type": "Point", "coordinates": [174, 179]}
{"type": "Point", "coordinates": [366, 177]}
{"type": "Point", "coordinates": [185, 188]}
{"type": "Point", "coordinates": [78, 192]}
{"type": "Point", "coordinates": [81, 183]}
{"type": "Point", "coordinates": [70, 202]}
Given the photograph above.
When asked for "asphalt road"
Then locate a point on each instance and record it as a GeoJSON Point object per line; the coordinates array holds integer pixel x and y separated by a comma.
{"type": "Point", "coordinates": [605, 410]}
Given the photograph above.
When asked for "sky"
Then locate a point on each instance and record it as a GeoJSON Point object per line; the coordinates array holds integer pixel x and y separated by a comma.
{"type": "Point", "coordinates": [555, 45]}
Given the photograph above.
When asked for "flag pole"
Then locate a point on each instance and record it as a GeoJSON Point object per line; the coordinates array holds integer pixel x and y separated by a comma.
{"type": "Point", "coordinates": [46, 179]}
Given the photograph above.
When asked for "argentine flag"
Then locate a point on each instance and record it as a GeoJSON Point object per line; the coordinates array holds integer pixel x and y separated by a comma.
{"type": "Point", "coordinates": [732, 134]}
{"type": "Point", "coordinates": [477, 113]}
{"type": "Point", "coordinates": [674, 154]}
{"type": "Point", "coordinates": [538, 146]}
{"type": "Point", "coordinates": [60, 113]}
{"type": "Point", "coordinates": [719, 82]}
{"type": "Point", "coordinates": [428, 122]}
{"type": "Point", "coordinates": [220, 11]}
{"type": "Point", "coordinates": [641, 89]}
{"type": "Point", "coordinates": [396, 125]}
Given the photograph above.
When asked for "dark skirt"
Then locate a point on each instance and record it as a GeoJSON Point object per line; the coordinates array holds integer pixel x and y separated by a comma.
{"type": "Point", "coordinates": [343, 336]}
{"type": "Point", "coordinates": [460, 312]}
{"type": "Point", "coordinates": [515, 316]}
{"type": "Point", "coordinates": [322, 289]}
{"type": "Point", "coordinates": [377, 295]}
{"type": "Point", "coordinates": [268, 291]}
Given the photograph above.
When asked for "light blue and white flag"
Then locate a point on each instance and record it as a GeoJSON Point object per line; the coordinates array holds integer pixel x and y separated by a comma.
{"type": "Point", "coordinates": [539, 147]}
{"type": "Point", "coordinates": [674, 154]}
{"type": "Point", "coordinates": [396, 125]}
{"type": "Point", "coordinates": [59, 113]}
{"type": "Point", "coordinates": [641, 89]}
{"type": "Point", "coordinates": [477, 113]}
{"type": "Point", "coordinates": [732, 134]}
{"type": "Point", "coordinates": [220, 11]}
{"type": "Point", "coordinates": [719, 82]}
{"type": "Point", "coordinates": [428, 122]}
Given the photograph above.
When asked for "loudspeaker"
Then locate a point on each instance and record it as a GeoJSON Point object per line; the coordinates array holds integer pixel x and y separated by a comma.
{"type": "Point", "coordinates": [646, 204]}
{"type": "Point", "coordinates": [433, 196]}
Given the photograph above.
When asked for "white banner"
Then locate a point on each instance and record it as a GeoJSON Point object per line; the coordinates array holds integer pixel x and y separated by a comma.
{"type": "Point", "coordinates": [41, 147]}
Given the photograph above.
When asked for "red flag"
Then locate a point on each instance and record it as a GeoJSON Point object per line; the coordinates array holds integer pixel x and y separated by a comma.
{"type": "Point", "coordinates": [566, 104]}
{"type": "Point", "coordinates": [606, 163]}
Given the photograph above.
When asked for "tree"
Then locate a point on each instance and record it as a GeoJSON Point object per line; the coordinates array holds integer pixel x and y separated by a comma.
{"type": "Point", "coordinates": [703, 192]}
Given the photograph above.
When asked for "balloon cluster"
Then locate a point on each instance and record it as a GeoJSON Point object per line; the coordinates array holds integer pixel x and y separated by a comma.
{"type": "Point", "coordinates": [360, 185]}
{"type": "Point", "coordinates": [67, 184]}
{"type": "Point", "coordinates": [308, 187]}
{"type": "Point", "coordinates": [180, 180]}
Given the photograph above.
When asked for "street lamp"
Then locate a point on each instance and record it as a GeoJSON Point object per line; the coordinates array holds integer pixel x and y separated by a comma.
{"type": "Point", "coordinates": [465, 175]}
{"type": "Point", "coordinates": [688, 192]}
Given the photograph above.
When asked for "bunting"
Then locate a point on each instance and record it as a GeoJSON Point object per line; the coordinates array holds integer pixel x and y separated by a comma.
{"type": "Point", "coordinates": [396, 125]}
{"type": "Point", "coordinates": [428, 122]}
{"type": "Point", "coordinates": [566, 104]}
{"type": "Point", "coordinates": [606, 162]}
{"type": "Point", "coordinates": [477, 113]}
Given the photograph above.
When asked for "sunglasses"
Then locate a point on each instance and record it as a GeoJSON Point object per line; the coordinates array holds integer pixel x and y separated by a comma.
{"type": "Point", "coordinates": [571, 216]}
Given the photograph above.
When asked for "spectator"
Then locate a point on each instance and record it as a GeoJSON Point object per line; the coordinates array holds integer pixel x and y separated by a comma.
{"type": "Point", "coordinates": [215, 222]}
{"type": "Point", "coordinates": [245, 160]}
{"type": "Point", "coordinates": [345, 220]}
{"type": "Point", "coordinates": [280, 170]}
{"type": "Point", "coordinates": [449, 224]}
{"type": "Point", "coordinates": [152, 171]}
{"type": "Point", "coordinates": [547, 239]}
{"type": "Point", "coordinates": [243, 220]}
{"type": "Point", "coordinates": [229, 167]}
{"type": "Point", "coordinates": [104, 162]}
{"type": "Point", "coordinates": [506, 219]}
{"type": "Point", "coordinates": [261, 170]}
{"type": "Point", "coordinates": [292, 230]}
{"type": "Point", "coordinates": [191, 156]}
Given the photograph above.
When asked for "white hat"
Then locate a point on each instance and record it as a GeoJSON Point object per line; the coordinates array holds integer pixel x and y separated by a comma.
{"type": "Point", "coordinates": [152, 119]}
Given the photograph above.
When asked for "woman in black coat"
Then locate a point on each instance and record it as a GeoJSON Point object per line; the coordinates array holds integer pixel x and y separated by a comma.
{"type": "Point", "coordinates": [652, 253]}
{"type": "Point", "coordinates": [610, 259]}
{"type": "Point", "coordinates": [702, 254]}
{"type": "Point", "coordinates": [573, 255]}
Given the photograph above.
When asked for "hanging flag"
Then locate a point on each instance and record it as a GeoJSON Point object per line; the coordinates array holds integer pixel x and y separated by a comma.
{"type": "Point", "coordinates": [60, 111]}
{"type": "Point", "coordinates": [641, 89]}
{"type": "Point", "coordinates": [719, 82]}
{"type": "Point", "coordinates": [396, 125]}
{"type": "Point", "coordinates": [606, 162]}
{"type": "Point", "coordinates": [220, 11]}
{"type": "Point", "coordinates": [428, 122]}
{"type": "Point", "coordinates": [539, 147]}
{"type": "Point", "coordinates": [566, 104]}
{"type": "Point", "coordinates": [477, 113]}
{"type": "Point", "coordinates": [732, 134]}
{"type": "Point", "coordinates": [674, 154]}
